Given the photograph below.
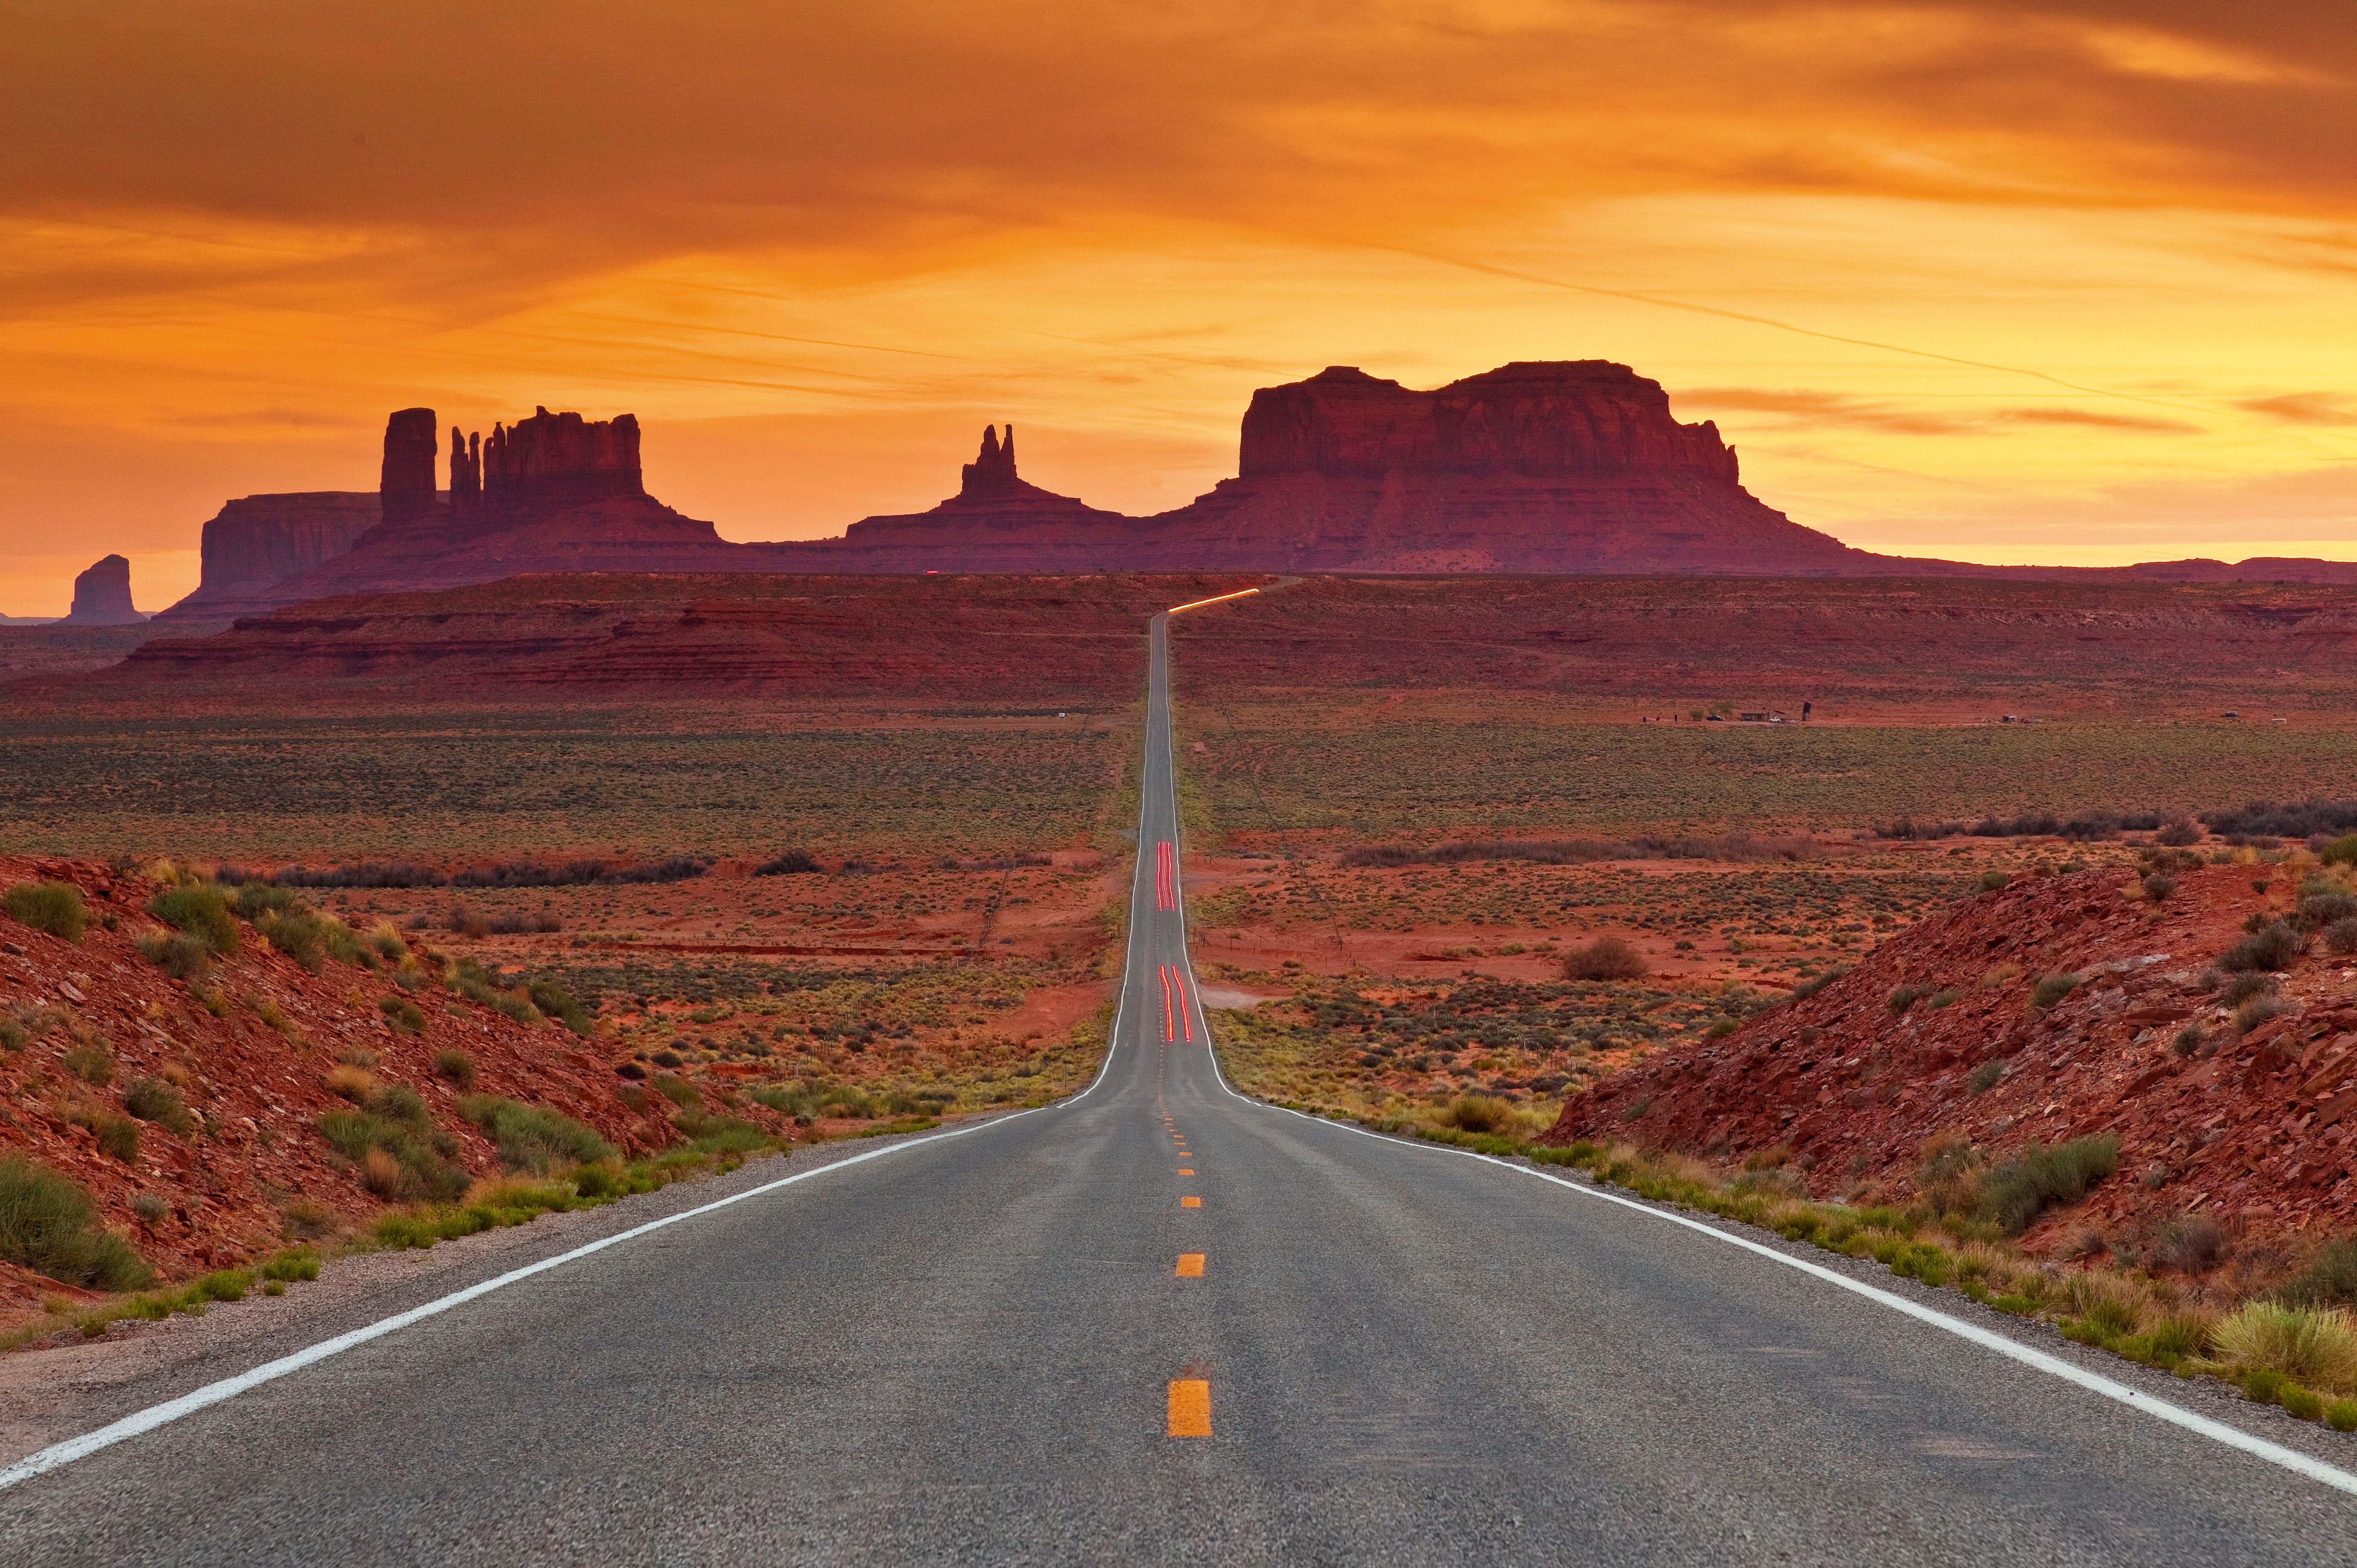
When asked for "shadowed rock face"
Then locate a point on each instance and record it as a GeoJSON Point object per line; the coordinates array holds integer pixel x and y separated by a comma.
{"type": "Point", "coordinates": [1582, 418]}
{"type": "Point", "coordinates": [560, 459]}
{"type": "Point", "coordinates": [406, 480]}
{"type": "Point", "coordinates": [102, 595]}
{"type": "Point", "coordinates": [258, 540]}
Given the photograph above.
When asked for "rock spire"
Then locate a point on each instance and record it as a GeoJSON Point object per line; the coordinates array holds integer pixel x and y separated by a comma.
{"type": "Point", "coordinates": [405, 489]}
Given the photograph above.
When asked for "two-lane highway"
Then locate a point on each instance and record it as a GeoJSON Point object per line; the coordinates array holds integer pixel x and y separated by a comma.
{"type": "Point", "coordinates": [1157, 1322]}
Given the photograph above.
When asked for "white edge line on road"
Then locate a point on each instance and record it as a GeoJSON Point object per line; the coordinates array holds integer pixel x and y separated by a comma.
{"type": "Point", "coordinates": [2218, 1432]}
{"type": "Point", "coordinates": [153, 1416]}
{"type": "Point", "coordinates": [2291, 1459]}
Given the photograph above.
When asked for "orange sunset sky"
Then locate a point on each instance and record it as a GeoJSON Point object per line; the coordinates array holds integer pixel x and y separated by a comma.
{"type": "Point", "coordinates": [2070, 282]}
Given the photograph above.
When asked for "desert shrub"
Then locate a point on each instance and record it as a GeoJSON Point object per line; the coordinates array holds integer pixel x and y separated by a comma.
{"type": "Point", "coordinates": [2178, 832]}
{"type": "Point", "coordinates": [1985, 1077]}
{"type": "Point", "coordinates": [678, 1090]}
{"type": "Point", "coordinates": [784, 1100]}
{"type": "Point", "coordinates": [2341, 851]}
{"type": "Point", "coordinates": [2019, 1188]}
{"type": "Point", "coordinates": [2258, 1011]}
{"type": "Point", "coordinates": [1949, 1175]}
{"type": "Point", "coordinates": [2273, 946]}
{"type": "Point", "coordinates": [253, 898]}
{"type": "Point", "coordinates": [1480, 1114]}
{"type": "Point", "coordinates": [1906, 996]}
{"type": "Point", "coordinates": [153, 1099]}
{"type": "Point", "coordinates": [533, 1137]}
{"type": "Point", "coordinates": [2188, 1041]}
{"type": "Point", "coordinates": [2052, 989]}
{"type": "Point", "coordinates": [2188, 1242]}
{"type": "Point", "coordinates": [455, 1065]}
{"type": "Point", "coordinates": [403, 1015]}
{"type": "Point", "coordinates": [793, 862]}
{"type": "Point", "coordinates": [2340, 937]}
{"type": "Point", "coordinates": [52, 907]}
{"type": "Point", "coordinates": [2159, 885]}
{"type": "Point", "coordinates": [1605, 957]}
{"type": "Point", "coordinates": [13, 1034]}
{"type": "Point", "coordinates": [593, 1181]}
{"type": "Point", "coordinates": [50, 1226]}
{"type": "Point", "coordinates": [2316, 1346]}
{"type": "Point", "coordinates": [414, 1161]}
{"type": "Point", "coordinates": [385, 940]}
{"type": "Point", "coordinates": [2317, 910]}
{"type": "Point", "coordinates": [176, 953]}
{"type": "Point", "coordinates": [1994, 881]}
{"type": "Point", "coordinates": [669, 1058]}
{"type": "Point", "coordinates": [2330, 1279]}
{"type": "Point", "coordinates": [2304, 819]}
{"type": "Point", "coordinates": [198, 909]}
{"type": "Point", "coordinates": [557, 1002]}
{"type": "Point", "coordinates": [92, 1062]}
{"type": "Point", "coordinates": [118, 1135]}
{"type": "Point", "coordinates": [150, 1207]}
{"type": "Point", "coordinates": [1941, 999]}
{"type": "Point", "coordinates": [2243, 987]}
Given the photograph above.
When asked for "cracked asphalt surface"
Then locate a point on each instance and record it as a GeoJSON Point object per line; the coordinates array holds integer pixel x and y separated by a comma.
{"type": "Point", "coordinates": [963, 1351]}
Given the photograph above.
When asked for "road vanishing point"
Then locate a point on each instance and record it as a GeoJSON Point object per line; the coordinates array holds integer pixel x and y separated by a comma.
{"type": "Point", "coordinates": [1159, 1322]}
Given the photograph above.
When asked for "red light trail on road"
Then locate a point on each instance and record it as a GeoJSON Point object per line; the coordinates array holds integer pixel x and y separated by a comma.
{"type": "Point", "coordinates": [1166, 876]}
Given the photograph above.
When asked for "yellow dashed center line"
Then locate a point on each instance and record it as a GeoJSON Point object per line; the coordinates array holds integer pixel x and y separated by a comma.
{"type": "Point", "coordinates": [1190, 1265]}
{"type": "Point", "coordinates": [1190, 1203]}
{"type": "Point", "coordinates": [1191, 1407]}
{"type": "Point", "coordinates": [1184, 1171]}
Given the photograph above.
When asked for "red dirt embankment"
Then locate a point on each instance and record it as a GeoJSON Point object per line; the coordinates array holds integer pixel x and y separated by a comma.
{"type": "Point", "coordinates": [254, 1088]}
{"type": "Point", "coordinates": [2257, 1128]}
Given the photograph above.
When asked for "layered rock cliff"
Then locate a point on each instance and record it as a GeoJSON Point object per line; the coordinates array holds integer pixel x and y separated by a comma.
{"type": "Point", "coordinates": [256, 542]}
{"type": "Point", "coordinates": [102, 595]}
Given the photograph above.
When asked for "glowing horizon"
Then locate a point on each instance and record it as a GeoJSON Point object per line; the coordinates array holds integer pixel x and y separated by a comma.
{"type": "Point", "coordinates": [2065, 284]}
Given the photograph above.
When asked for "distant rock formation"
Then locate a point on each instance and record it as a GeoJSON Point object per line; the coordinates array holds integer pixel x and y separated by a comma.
{"type": "Point", "coordinates": [259, 540]}
{"type": "Point", "coordinates": [996, 523]}
{"type": "Point", "coordinates": [560, 459]}
{"type": "Point", "coordinates": [1571, 467]}
{"type": "Point", "coordinates": [102, 595]}
{"type": "Point", "coordinates": [406, 481]}
{"type": "Point", "coordinates": [466, 471]}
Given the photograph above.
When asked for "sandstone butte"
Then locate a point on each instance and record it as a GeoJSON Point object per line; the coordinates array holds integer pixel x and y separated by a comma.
{"type": "Point", "coordinates": [102, 595]}
{"type": "Point", "coordinates": [2258, 1131]}
{"type": "Point", "coordinates": [1576, 466]}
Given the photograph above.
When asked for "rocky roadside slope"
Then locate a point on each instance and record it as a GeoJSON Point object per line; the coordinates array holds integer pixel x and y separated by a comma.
{"type": "Point", "coordinates": [2218, 1109]}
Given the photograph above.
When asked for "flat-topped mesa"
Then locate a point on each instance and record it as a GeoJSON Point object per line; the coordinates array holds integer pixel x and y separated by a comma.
{"type": "Point", "coordinates": [405, 482]}
{"type": "Point", "coordinates": [560, 460]}
{"type": "Point", "coordinates": [1543, 420]}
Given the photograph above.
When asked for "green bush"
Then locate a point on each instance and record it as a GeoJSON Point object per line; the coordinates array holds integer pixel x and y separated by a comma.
{"type": "Point", "coordinates": [50, 1226]}
{"type": "Point", "coordinates": [92, 1063]}
{"type": "Point", "coordinates": [1985, 1077]}
{"type": "Point", "coordinates": [2019, 1188]}
{"type": "Point", "coordinates": [456, 1064]}
{"type": "Point", "coordinates": [533, 1137]}
{"type": "Point", "coordinates": [2330, 1279]}
{"type": "Point", "coordinates": [2052, 989]}
{"type": "Point", "coordinates": [2341, 1415]}
{"type": "Point", "coordinates": [1992, 881]}
{"type": "Point", "coordinates": [153, 1099]}
{"type": "Point", "coordinates": [2341, 851]}
{"type": "Point", "coordinates": [678, 1090]}
{"type": "Point", "coordinates": [417, 1161]}
{"type": "Point", "coordinates": [785, 1101]}
{"type": "Point", "coordinates": [118, 1135]}
{"type": "Point", "coordinates": [403, 1015]}
{"type": "Point", "coordinates": [181, 956]}
{"type": "Point", "coordinates": [52, 907]}
{"type": "Point", "coordinates": [557, 1002]}
{"type": "Point", "coordinates": [198, 909]}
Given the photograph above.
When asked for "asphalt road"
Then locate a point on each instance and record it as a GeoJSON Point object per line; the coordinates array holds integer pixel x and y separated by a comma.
{"type": "Point", "coordinates": [977, 1348]}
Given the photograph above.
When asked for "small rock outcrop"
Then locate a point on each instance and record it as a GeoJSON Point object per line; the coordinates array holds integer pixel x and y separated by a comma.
{"type": "Point", "coordinates": [102, 595]}
{"type": "Point", "coordinates": [406, 480]}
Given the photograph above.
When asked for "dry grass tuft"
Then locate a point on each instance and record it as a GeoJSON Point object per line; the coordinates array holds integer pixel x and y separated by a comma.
{"type": "Point", "coordinates": [2313, 1346]}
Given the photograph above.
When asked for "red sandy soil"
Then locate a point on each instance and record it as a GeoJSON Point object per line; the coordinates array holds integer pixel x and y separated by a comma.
{"type": "Point", "coordinates": [255, 1092]}
{"type": "Point", "coordinates": [2256, 1129]}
